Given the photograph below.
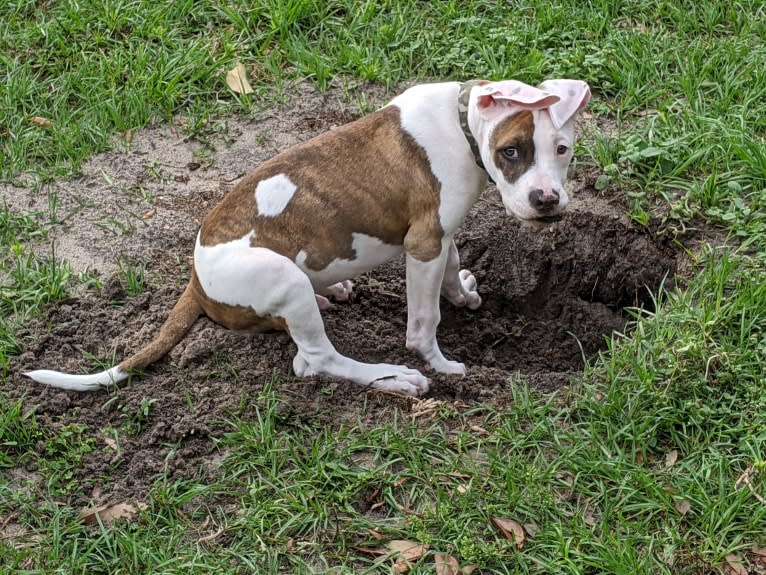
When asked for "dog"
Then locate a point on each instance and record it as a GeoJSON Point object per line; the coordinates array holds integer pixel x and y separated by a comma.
{"type": "Point", "coordinates": [296, 231]}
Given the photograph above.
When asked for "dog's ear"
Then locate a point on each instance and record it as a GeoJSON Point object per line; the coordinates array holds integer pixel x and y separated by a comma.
{"type": "Point", "coordinates": [573, 97]}
{"type": "Point", "coordinates": [515, 93]}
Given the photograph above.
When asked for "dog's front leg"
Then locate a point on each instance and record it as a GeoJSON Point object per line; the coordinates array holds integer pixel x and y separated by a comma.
{"type": "Point", "coordinates": [459, 286]}
{"type": "Point", "coordinates": [424, 280]}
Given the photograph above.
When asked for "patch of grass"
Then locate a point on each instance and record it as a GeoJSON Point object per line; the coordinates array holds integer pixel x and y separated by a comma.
{"type": "Point", "coordinates": [19, 434]}
{"type": "Point", "coordinates": [132, 277]}
{"type": "Point", "coordinates": [64, 452]}
{"type": "Point", "coordinates": [33, 282]}
{"type": "Point", "coordinates": [634, 471]}
{"type": "Point", "coordinates": [27, 281]}
{"type": "Point", "coordinates": [136, 422]}
{"type": "Point", "coordinates": [56, 453]}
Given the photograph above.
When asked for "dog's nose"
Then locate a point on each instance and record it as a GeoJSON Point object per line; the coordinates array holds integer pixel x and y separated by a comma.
{"type": "Point", "coordinates": [543, 200]}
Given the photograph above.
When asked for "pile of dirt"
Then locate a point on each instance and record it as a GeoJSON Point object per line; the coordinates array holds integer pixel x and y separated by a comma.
{"type": "Point", "coordinates": [552, 295]}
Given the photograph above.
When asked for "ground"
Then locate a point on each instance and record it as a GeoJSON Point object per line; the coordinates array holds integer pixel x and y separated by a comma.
{"type": "Point", "coordinates": [552, 296]}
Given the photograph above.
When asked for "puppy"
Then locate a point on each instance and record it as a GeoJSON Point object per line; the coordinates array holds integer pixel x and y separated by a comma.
{"type": "Point", "coordinates": [401, 180]}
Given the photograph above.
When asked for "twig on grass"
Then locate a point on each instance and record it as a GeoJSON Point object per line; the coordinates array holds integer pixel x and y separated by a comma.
{"type": "Point", "coordinates": [745, 479]}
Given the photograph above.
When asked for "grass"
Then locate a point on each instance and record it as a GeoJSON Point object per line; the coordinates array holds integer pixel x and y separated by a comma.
{"type": "Point", "coordinates": [633, 470]}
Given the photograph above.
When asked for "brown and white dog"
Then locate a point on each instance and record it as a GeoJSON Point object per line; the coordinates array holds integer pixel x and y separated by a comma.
{"type": "Point", "coordinates": [402, 179]}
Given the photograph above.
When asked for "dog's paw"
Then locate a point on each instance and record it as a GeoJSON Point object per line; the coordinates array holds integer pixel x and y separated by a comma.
{"type": "Point", "coordinates": [462, 293]}
{"type": "Point", "coordinates": [301, 366]}
{"type": "Point", "coordinates": [468, 282]}
{"type": "Point", "coordinates": [383, 376]}
{"type": "Point", "coordinates": [340, 291]}
{"type": "Point", "coordinates": [406, 381]}
{"type": "Point", "coordinates": [448, 366]}
{"type": "Point", "coordinates": [322, 302]}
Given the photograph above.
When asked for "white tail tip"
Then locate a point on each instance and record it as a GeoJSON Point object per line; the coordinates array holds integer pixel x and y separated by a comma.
{"type": "Point", "coordinates": [78, 382]}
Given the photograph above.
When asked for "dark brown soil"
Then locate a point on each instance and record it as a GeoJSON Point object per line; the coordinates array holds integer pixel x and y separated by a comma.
{"type": "Point", "coordinates": [552, 295]}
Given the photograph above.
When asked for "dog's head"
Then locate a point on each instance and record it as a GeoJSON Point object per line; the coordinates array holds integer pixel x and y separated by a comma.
{"type": "Point", "coordinates": [526, 136]}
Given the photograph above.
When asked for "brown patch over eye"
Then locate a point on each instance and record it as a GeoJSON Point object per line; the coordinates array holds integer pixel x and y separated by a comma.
{"type": "Point", "coordinates": [513, 145]}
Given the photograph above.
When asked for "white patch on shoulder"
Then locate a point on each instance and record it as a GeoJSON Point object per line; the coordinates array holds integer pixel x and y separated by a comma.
{"type": "Point", "coordinates": [273, 194]}
{"type": "Point", "coordinates": [370, 252]}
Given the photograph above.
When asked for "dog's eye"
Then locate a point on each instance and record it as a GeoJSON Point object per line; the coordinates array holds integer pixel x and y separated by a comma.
{"type": "Point", "coordinates": [562, 149]}
{"type": "Point", "coordinates": [511, 153]}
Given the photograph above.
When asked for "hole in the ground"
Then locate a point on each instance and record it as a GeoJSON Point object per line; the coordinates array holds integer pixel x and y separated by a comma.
{"type": "Point", "coordinates": [554, 293]}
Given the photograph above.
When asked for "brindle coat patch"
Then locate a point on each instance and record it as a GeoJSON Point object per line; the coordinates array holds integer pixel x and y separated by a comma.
{"type": "Point", "coordinates": [367, 177]}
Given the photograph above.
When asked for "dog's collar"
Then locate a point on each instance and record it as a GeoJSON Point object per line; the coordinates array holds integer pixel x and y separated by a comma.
{"type": "Point", "coordinates": [463, 97]}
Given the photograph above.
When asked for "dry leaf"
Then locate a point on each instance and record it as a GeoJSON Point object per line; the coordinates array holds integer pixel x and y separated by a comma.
{"type": "Point", "coordinates": [110, 513]}
{"type": "Point", "coordinates": [401, 566]}
{"type": "Point", "coordinates": [587, 115]}
{"type": "Point", "coordinates": [759, 554]}
{"type": "Point", "coordinates": [408, 550]}
{"type": "Point", "coordinates": [375, 534]}
{"type": "Point", "coordinates": [735, 566]}
{"type": "Point", "coordinates": [128, 136]}
{"type": "Point", "coordinates": [671, 458]}
{"type": "Point", "coordinates": [446, 564]}
{"type": "Point", "coordinates": [512, 530]}
{"type": "Point", "coordinates": [402, 551]}
{"type": "Point", "coordinates": [40, 121]}
{"type": "Point", "coordinates": [468, 569]}
{"type": "Point", "coordinates": [683, 506]}
{"type": "Point", "coordinates": [236, 79]}
{"type": "Point", "coordinates": [149, 214]}
{"type": "Point", "coordinates": [480, 430]}
{"type": "Point", "coordinates": [111, 443]}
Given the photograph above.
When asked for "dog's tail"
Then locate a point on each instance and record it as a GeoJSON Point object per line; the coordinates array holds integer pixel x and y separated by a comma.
{"type": "Point", "coordinates": [181, 318]}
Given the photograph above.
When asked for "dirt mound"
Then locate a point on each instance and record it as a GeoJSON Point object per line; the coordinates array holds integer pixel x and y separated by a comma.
{"type": "Point", "coordinates": [552, 294]}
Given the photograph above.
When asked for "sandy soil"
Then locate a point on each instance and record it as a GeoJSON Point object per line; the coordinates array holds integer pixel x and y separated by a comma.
{"type": "Point", "coordinates": [551, 294]}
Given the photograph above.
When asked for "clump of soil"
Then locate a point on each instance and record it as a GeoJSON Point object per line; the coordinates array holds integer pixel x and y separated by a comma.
{"type": "Point", "coordinates": [552, 295]}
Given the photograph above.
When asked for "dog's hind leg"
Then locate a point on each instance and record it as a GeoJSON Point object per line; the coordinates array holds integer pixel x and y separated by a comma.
{"type": "Point", "coordinates": [273, 286]}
